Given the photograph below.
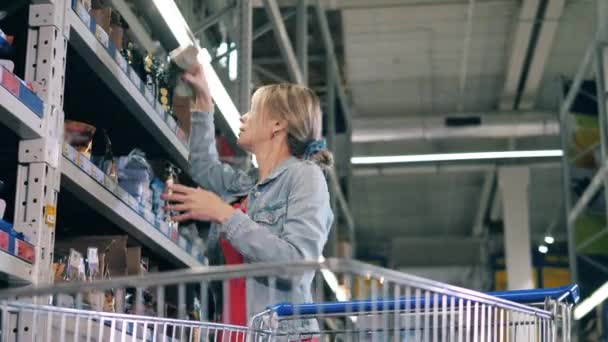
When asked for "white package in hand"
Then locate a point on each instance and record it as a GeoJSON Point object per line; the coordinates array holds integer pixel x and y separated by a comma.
{"type": "Point", "coordinates": [184, 58]}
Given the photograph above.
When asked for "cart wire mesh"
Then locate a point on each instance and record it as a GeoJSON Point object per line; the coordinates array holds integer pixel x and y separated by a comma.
{"type": "Point", "coordinates": [351, 301]}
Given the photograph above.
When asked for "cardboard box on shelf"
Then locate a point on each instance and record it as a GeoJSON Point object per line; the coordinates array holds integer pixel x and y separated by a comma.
{"type": "Point", "coordinates": [102, 17]}
{"type": "Point", "coordinates": [114, 248]}
{"type": "Point", "coordinates": [116, 36]}
{"type": "Point", "coordinates": [134, 261]}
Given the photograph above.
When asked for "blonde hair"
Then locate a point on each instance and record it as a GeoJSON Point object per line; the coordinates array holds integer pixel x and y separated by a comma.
{"type": "Point", "coordinates": [300, 107]}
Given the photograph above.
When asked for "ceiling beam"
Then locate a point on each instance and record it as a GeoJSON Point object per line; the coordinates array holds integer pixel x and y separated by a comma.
{"type": "Point", "coordinates": [519, 47]}
{"type": "Point", "coordinates": [495, 125]}
{"type": "Point", "coordinates": [531, 46]}
{"type": "Point", "coordinates": [543, 49]}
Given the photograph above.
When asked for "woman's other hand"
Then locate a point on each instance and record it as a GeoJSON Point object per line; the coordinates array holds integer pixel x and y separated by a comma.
{"type": "Point", "coordinates": [197, 204]}
{"type": "Point", "coordinates": [195, 76]}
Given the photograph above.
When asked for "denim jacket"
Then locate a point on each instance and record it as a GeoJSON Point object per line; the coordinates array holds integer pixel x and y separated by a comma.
{"type": "Point", "coordinates": [288, 216]}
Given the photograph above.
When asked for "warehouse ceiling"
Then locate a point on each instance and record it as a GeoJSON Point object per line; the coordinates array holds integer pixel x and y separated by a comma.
{"type": "Point", "coordinates": [424, 59]}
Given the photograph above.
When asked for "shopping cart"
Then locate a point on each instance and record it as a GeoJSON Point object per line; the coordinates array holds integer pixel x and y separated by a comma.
{"type": "Point", "coordinates": [374, 304]}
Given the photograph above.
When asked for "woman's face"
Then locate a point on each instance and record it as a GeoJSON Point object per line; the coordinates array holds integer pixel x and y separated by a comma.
{"type": "Point", "coordinates": [255, 129]}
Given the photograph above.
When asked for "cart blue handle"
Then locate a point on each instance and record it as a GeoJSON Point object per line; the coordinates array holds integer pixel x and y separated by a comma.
{"type": "Point", "coordinates": [568, 294]}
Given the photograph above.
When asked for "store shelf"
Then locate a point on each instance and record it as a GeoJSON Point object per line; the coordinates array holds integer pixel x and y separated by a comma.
{"type": "Point", "coordinates": [106, 203]}
{"type": "Point", "coordinates": [18, 117]}
{"type": "Point", "coordinates": [14, 270]}
{"type": "Point", "coordinates": [99, 59]}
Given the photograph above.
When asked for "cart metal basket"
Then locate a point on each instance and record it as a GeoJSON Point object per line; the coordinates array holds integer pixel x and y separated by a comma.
{"type": "Point", "coordinates": [373, 304]}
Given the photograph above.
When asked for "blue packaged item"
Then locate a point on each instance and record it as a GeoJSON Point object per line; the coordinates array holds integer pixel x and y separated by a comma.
{"type": "Point", "coordinates": [134, 174]}
{"type": "Point", "coordinates": [157, 186]}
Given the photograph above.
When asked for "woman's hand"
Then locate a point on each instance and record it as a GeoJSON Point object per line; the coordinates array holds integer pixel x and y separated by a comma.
{"type": "Point", "coordinates": [195, 76]}
{"type": "Point", "coordinates": [197, 204]}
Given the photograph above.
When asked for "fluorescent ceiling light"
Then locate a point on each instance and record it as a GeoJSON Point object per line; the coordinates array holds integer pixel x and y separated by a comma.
{"type": "Point", "coordinates": [597, 298]}
{"type": "Point", "coordinates": [219, 94]}
{"type": "Point", "coordinates": [176, 22]}
{"type": "Point", "coordinates": [543, 249]}
{"type": "Point", "coordinates": [421, 158]}
{"type": "Point", "coordinates": [549, 239]}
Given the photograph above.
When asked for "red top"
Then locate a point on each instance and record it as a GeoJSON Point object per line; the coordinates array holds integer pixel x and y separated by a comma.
{"type": "Point", "coordinates": [236, 297]}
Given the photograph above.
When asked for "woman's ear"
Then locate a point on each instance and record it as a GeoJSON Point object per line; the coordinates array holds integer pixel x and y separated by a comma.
{"type": "Point", "coordinates": [278, 126]}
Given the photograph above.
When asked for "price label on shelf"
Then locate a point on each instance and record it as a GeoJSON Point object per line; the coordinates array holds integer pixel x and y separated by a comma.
{"type": "Point", "coordinates": [182, 242]}
{"type": "Point", "coordinates": [174, 234]}
{"type": "Point", "coordinates": [132, 202]}
{"type": "Point", "coordinates": [99, 175]}
{"type": "Point", "coordinates": [122, 194]}
{"type": "Point", "coordinates": [102, 36]}
{"type": "Point", "coordinates": [134, 78]}
{"type": "Point", "coordinates": [160, 111]}
{"type": "Point", "coordinates": [86, 165]}
{"type": "Point", "coordinates": [109, 183]}
{"type": "Point", "coordinates": [149, 216]}
{"type": "Point", "coordinates": [83, 13]}
{"type": "Point", "coordinates": [71, 153]}
{"type": "Point", "coordinates": [171, 123]}
{"type": "Point", "coordinates": [149, 95]}
{"type": "Point", "coordinates": [164, 228]}
{"type": "Point", "coordinates": [121, 61]}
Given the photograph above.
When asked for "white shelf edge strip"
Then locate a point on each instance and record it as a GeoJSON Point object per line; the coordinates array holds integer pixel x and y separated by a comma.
{"type": "Point", "coordinates": [13, 266]}
{"type": "Point", "coordinates": [145, 108]}
{"type": "Point", "coordinates": [109, 205]}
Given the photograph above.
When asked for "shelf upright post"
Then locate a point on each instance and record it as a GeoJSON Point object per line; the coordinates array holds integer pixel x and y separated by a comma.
{"type": "Point", "coordinates": [38, 173]}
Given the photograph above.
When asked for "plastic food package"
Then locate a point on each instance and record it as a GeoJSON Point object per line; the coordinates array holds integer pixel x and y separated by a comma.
{"type": "Point", "coordinates": [134, 174]}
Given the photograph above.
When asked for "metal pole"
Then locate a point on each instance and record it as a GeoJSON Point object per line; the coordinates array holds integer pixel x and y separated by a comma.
{"type": "Point", "coordinates": [214, 18]}
{"type": "Point", "coordinates": [302, 37]}
{"type": "Point", "coordinates": [245, 54]}
{"type": "Point", "coordinates": [331, 144]}
{"type": "Point", "coordinates": [269, 74]}
{"type": "Point", "coordinates": [590, 191]}
{"type": "Point", "coordinates": [333, 62]}
{"type": "Point", "coordinates": [600, 82]}
{"type": "Point", "coordinates": [282, 38]}
{"type": "Point", "coordinates": [570, 226]}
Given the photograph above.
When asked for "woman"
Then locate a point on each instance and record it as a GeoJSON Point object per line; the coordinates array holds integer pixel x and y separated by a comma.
{"type": "Point", "coordinates": [280, 214]}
